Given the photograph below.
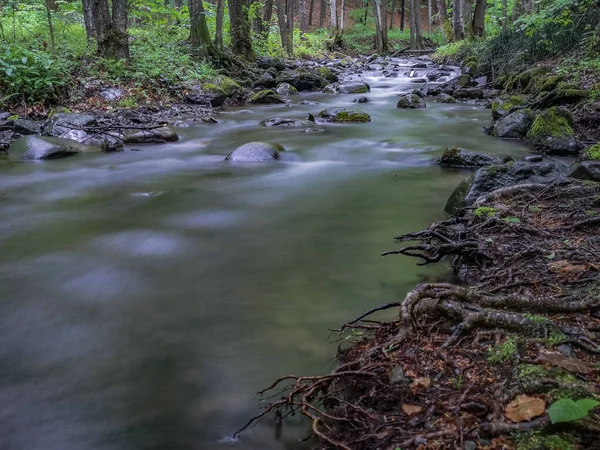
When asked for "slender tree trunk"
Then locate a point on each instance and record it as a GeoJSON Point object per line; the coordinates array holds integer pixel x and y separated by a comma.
{"type": "Point", "coordinates": [466, 12]}
{"type": "Point", "coordinates": [391, 27]}
{"type": "Point", "coordinates": [429, 8]}
{"type": "Point", "coordinates": [50, 25]}
{"type": "Point", "coordinates": [290, 26]}
{"type": "Point", "coordinates": [402, 15]}
{"type": "Point", "coordinates": [88, 19]}
{"type": "Point", "coordinates": [219, 24]}
{"type": "Point", "coordinates": [267, 15]}
{"type": "Point", "coordinates": [322, 13]}
{"type": "Point", "coordinates": [334, 16]}
{"type": "Point", "coordinates": [310, 12]}
{"type": "Point", "coordinates": [342, 13]}
{"type": "Point", "coordinates": [52, 5]}
{"type": "Point", "coordinates": [111, 32]}
{"type": "Point", "coordinates": [303, 15]}
{"type": "Point", "coordinates": [199, 33]}
{"type": "Point", "coordinates": [281, 22]}
{"type": "Point", "coordinates": [479, 18]}
{"type": "Point", "coordinates": [457, 20]}
{"type": "Point", "coordinates": [381, 40]}
{"type": "Point", "coordinates": [241, 42]}
{"type": "Point", "coordinates": [445, 20]}
{"type": "Point", "coordinates": [504, 14]}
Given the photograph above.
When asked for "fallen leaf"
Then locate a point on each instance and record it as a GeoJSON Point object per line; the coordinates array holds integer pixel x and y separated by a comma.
{"type": "Point", "coordinates": [566, 267]}
{"type": "Point", "coordinates": [423, 382]}
{"type": "Point", "coordinates": [411, 410]}
{"type": "Point", "coordinates": [564, 362]}
{"type": "Point", "coordinates": [524, 407]}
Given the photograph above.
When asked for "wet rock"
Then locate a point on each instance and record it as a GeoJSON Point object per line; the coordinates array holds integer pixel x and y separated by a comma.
{"type": "Point", "coordinates": [419, 66]}
{"type": "Point", "coordinates": [460, 157]}
{"type": "Point", "coordinates": [112, 94]}
{"type": "Point", "coordinates": [552, 132]}
{"type": "Point", "coordinates": [69, 126]}
{"type": "Point", "coordinates": [309, 102]}
{"type": "Point", "coordinates": [267, 81]}
{"type": "Point", "coordinates": [111, 146]}
{"type": "Point", "coordinates": [266, 62]}
{"type": "Point", "coordinates": [215, 93]}
{"type": "Point", "coordinates": [4, 115]}
{"type": "Point", "coordinates": [410, 101]}
{"type": "Point", "coordinates": [515, 125]}
{"type": "Point", "coordinates": [286, 90]}
{"type": "Point", "coordinates": [344, 115]}
{"type": "Point", "coordinates": [398, 376]}
{"type": "Point", "coordinates": [267, 96]}
{"type": "Point", "coordinates": [285, 122]}
{"type": "Point", "coordinates": [31, 148]}
{"type": "Point", "coordinates": [328, 74]}
{"type": "Point", "coordinates": [152, 136]}
{"type": "Point", "coordinates": [434, 76]}
{"type": "Point", "coordinates": [463, 80]}
{"type": "Point", "coordinates": [302, 80]}
{"type": "Point", "coordinates": [361, 100]}
{"type": "Point", "coordinates": [586, 170]}
{"type": "Point", "coordinates": [418, 93]}
{"type": "Point", "coordinates": [503, 105]}
{"type": "Point", "coordinates": [534, 158]}
{"type": "Point", "coordinates": [445, 98]}
{"type": "Point", "coordinates": [256, 152]}
{"type": "Point", "coordinates": [355, 87]}
{"type": "Point", "coordinates": [314, 130]}
{"type": "Point", "coordinates": [490, 178]}
{"type": "Point", "coordinates": [26, 127]}
{"type": "Point", "coordinates": [473, 93]}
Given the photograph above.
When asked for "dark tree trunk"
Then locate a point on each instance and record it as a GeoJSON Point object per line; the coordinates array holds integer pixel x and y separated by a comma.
{"type": "Point", "coordinates": [199, 34]}
{"type": "Point", "coordinates": [50, 23]}
{"type": "Point", "coordinates": [303, 16]}
{"type": "Point", "coordinates": [88, 19]}
{"type": "Point", "coordinates": [241, 42]}
{"type": "Point", "coordinates": [322, 13]}
{"type": "Point", "coordinates": [267, 15]}
{"type": "Point", "coordinates": [381, 40]}
{"type": "Point", "coordinates": [391, 27]}
{"type": "Point", "coordinates": [177, 4]}
{"type": "Point", "coordinates": [457, 21]}
{"type": "Point", "coordinates": [479, 18]}
{"type": "Point", "coordinates": [111, 32]}
{"type": "Point", "coordinates": [444, 20]}
{"type": "Point", "coordinates": [290, 4]}
{"type": "Point", "coordinates": [219, 24]}
{"type": "Point", "coordinates": [311, 8]}
{"type": "Point", "coordinates": [52, 5]}
{"type": "Point", "coordinates": [257, 25]}
{"type": "Point", "coordinates": [402, 14]}
{"type": "Point", "coordinates": [281, 22]}
{"type": "Point", "coordinates": [416, 38]}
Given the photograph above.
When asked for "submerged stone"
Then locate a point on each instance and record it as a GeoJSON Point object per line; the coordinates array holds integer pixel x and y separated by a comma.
{"type": "Point", "coordinates": [460, 157]}
{"type": "Point", "coordinates": [152, 136]}
{"type": "Point", "coordinates": [255, 152]}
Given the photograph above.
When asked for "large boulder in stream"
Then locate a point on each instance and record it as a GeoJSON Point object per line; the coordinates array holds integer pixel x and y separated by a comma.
{"type": "Point", "coordinates": [302, 79]}
{"type": "Point", "coordinates": [552, 132]}
{"type": "Point", "coordinates": [501, 106]}
{"type": "Point", "coordinates": [488, 179]}
{"type": "Point", "coordinates": [150, 136]}
{"type": "Point", "coordinates": [344, 115]}
{"type": "Point", "coordinates": [286, 90]}
{"type": "Point", "coordinates": [255, 152]}
{"type": "Point", "coordinates": [268, 96]}
{"type": "Point", "coordinates": [70, 126]}
{"type": "Point", "coordinates": [266, 62]}
{"type": "Point", "coordinates": [460, 157]}
{"type": "Point", "coordinates": [354, 87]}
{"type": "Point", "coordinates": [410, 101]}
{"type": "Point", "coordinates": [33, 148]}
{"type": "Point", "coordinates": [515, 125]}
{"type": "Point", "coordinates": [215, 93]}
{"type": "Point", "coordinates": [285, 122]}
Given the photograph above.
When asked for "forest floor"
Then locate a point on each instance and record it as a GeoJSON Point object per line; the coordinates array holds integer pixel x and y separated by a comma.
{"type": "Point", "coordinates": [479, 363]}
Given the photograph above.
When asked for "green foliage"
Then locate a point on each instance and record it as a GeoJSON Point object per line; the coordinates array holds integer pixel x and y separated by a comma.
{"type": "Point", "coordinates": [550, 124]}
{"type": "Point", "coordinates": [34, 75]}
{"type": "Point", "coordinates": [485, 211]}
{"type": "Point", "coordinates": [504, 352]}
{"type": "Point", "coordinates": [568, 410]}
{"type": "Point", "coordinates": [539, 440]}
{"type": "Point", "coordinates": [593, 152]}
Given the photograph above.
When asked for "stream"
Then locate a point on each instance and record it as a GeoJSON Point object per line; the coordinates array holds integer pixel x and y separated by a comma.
{"type": "Point", "coordinates": [148, 295]}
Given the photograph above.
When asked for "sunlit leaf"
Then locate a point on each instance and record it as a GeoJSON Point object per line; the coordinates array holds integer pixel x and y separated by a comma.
{"type": "Point", "coordinates": [524, 407]}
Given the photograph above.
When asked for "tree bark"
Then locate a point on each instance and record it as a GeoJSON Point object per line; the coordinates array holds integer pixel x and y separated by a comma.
{"type": "Point", "coordinates": [310, 12]}
{"type": "Point", "coordinates": [289, 26]}
{"type": "Point", "coordinates": [241, 42]}
{"type": "Point", "coordinates": [88, 20]}
{"type": "Point", "coordinates": [303, 16]}
{"type": "Point", "coordinates": [381, 40]}
{"type": "Point", "coordinates": [199, 33]}
{"type": "Point", "coordinates": [267, 15]}
{"type": "Point", "coordinates": [52, 5]}
{"type": "Point", "coordinates": [110, 32]}
{"type": "Point", "coordinates": [504, 14]}
{"type": "Point", "coordinates": [334, 17]}
{"type": "Point", "coordinates": [466, 12]}
{"type": "Point", "coordinates": [50, 24]}
{"type": "Point", "coordinates": [391, 27]}
{"type": "Point", "coordinates": [479, 18]}
{"type": "Point", "coordinates": [177, 4]}
{"type": "Point", "coordinates": [322, 13]}
{"type": "Point", "coordinates": [219, 24]}
{"type": "Point", "coordinates": [342, 13]}
{"type": "Point", "coordinates": [416, 38]}
{"type": "Point", "coordinates": [402, 14]}
{"type": "Point", "coordinates": [281, 22]}
{"type": "Point", "coordinates": [429, 18]}
{"type": "Point", "coordinates": [457, 20]}
{"type": "Point", "coordinates": [444, 20]}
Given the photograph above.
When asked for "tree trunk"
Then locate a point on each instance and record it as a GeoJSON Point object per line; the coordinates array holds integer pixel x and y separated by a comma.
{"type": "Point", "coordinates": [241, 42]}
{"type": "Point", "coordinates": [111, 32]}
{"type": "Point", "coordinates": [466, 12]}
{"type": "Point", "coordinates": [504, 14]}
{"type": "Point", "coordinates": [479, 18]}
{"type": "Point", "coordinates": [303, 16]}
{"type": "Point", "coordinates": [52, 5]}
{"type": "Point", "coordinates": [322, 13]}
{"type": "Point", "coordinates": [88, 19]}
{"type": "Point", "coordinates": [50, 24]}
{"type": "Point", "coordinates": [429, 18]}
{"type": "Point", "coordinates": [416, 38]}
{"type": "Point", "coordinates": [391, 27]}
{"type": "Point", "coordinates": [199, 34]}
{"type": "Point", "coordinates": [281, 22]}
{"type": "Point", "coordinates": [310, 12]}
{"type": "Point", "coordinates": [219, 24]}
{"type": "Point", "coordinates": [457, 20]}
{"type": "Point", "coordinates": [177, 4]}
{"type": "Point", "coordinates": [334, 17]}
{"type": "Point", "coordinates": [444, 20]}
{"type": "Point", "coordinates": [342, 13]}
{"type": "Point", "coordinates": [267, 15]}
{"type": "Point", "coordinates": [402, 15]}
{"type": "Point", "coordinates": [289, 26]}
{"type": "Point", "coordinates": [381, 40]}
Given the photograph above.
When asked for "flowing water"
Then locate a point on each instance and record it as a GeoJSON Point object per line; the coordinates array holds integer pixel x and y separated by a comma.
{"type": "Point", "coordinates": [146, 296]}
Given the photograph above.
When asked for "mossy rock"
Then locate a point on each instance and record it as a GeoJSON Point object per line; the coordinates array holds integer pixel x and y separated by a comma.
{"type": "Point", "coordinates": [410, 101]}
{"type": "Point", "coordinates": [521, 82]}
{"type": "Point", "coordinates": [550, 83]}
{"type": "Point", "coordinates": [591, 153]}
{"type": "Point", "coordinates": [552, 132]}
{"type": "Point", "coordinates": [345, 115]}
{"type": "Point", "coordinates": [470, 67]}
{"type": "Point", "coordinates": [502, 105]}
{"type": "Point", "coordinates": [328, 74]}
{"type": "Point", "coordinates": [470, 59]}
{"type": "Point", "coordinates": [463, 80]}
{"type": "Point", "coordinates": [267, 96]}
{"type": "Point", "coordinates": [223, 85]}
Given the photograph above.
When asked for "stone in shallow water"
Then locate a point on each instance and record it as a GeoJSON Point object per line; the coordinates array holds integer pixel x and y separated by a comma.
{"type": "Point", "coordinates": [284, 122]}
{"type": "Point", "coordinates": [31, 148]}
{"type": "Point", "coordinates": [410, 101]}
{"type": "Point", "coordinates": [256, 152]}
{"type": "Point", "coordinates": [153, 136]}
{"type": "Point", "coordinates": [344, 115]}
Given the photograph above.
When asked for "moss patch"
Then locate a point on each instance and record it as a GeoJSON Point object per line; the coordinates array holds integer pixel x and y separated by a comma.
{"type": "Point", "coordinates": [485, 211]}
{"type": "Point", "coordinates": [593, 153]}
{"type": "Point", "coordinates": [540, 441]}
{"type": "Point", "coordinates": [551, 123]}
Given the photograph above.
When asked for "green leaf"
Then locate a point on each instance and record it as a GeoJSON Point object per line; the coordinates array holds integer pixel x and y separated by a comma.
{"type": "Point", "coordinates": [24, 59]}
{"type": "Point", "coordinates": [567, 410]}
{"type": "Point", "coordinates": [551, 256]}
